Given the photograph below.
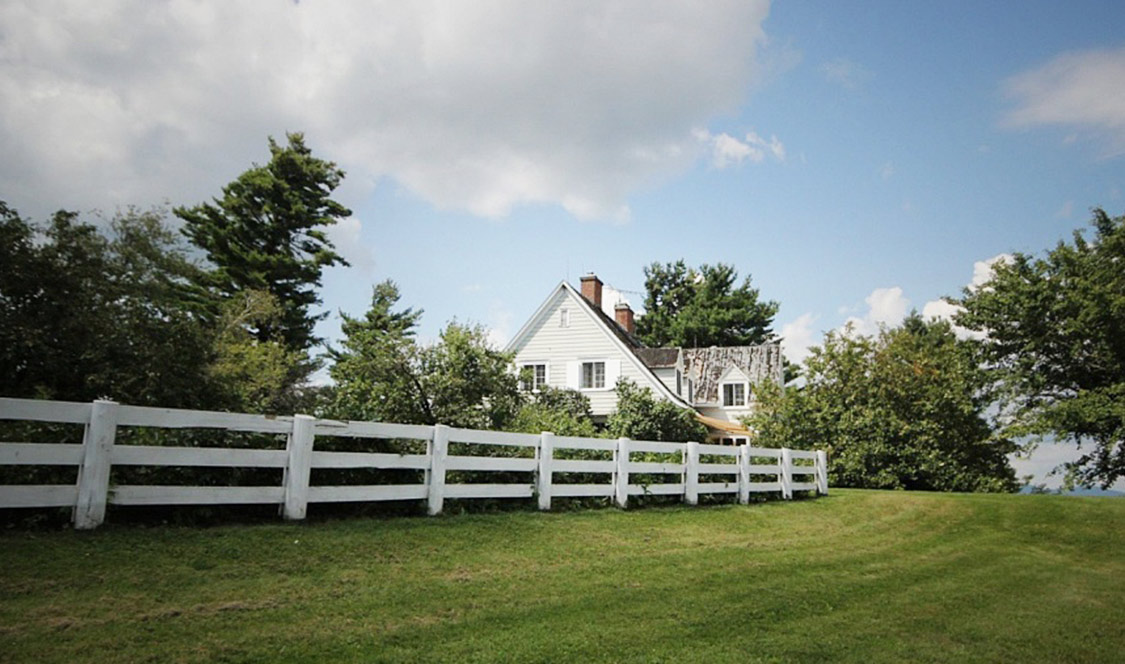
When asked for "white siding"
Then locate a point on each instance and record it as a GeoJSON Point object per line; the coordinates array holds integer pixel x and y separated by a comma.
{"type": "Point", "coordinates": [668, 377]}
{"type": "Point", "coordinates": [586, 339]}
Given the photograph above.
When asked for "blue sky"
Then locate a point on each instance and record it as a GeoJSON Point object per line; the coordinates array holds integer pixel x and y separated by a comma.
{"type": "Point", "coordinates": [856, 159]}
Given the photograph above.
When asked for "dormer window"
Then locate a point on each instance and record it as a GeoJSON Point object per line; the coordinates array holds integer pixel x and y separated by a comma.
{"type": "Point", "coordinates": [734, 395]}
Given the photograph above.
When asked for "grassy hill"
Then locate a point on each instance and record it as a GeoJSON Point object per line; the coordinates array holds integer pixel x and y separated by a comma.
{"type": "Point", "coordinates": [857, 576]}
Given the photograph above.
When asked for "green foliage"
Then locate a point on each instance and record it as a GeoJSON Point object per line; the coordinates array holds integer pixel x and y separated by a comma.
{"type": "Point", "coordinates": [564, 412]}
{"type": "Point", "coordinates": [902, 410]}
{"type": "Point", "coordinates": [383, 374]}
{"type": "Point", "coordinates": [83, 316]}
{"type": "Point", "coordinates": [641, 416]}
{"type": "Point", "coordinates": [374, 372]}
{"type": "Point", "coordinates": [1055, 339]}
{"type": "Point", "coordinates": [704, 307]}
{"type": "Point", "coordinates": [256, 376]}
{"type": "Point", "coordinates": [466, 382]}
{"type": "Point", "coordinates": [265, 233]}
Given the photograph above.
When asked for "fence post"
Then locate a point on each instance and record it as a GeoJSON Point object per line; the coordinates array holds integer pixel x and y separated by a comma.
{"type": "Point", "coordinates": [546, 452]}
{"type": "Point", "coordinates": [439, 449]}
{"type": "Point", "coordinates": [786, 462]}
{"type": "Point", "coordinates": [298, 468]}
{"type": "Point", "coordinates": [691, 473]}
{"type": "Point", "coordinates": [822, 472]}
{"type": "Point", "coordinates": [93, 474]}
{"type": "Point", "coordinates": [621, 477]}
{"type": "Point", "coordinates": [744, 474]}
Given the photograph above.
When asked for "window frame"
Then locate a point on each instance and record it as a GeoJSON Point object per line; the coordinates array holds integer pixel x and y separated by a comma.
{"type": "Point", "coordinates": [582, 364]}
{"type": "Point", "coordinates": [535, 383]}
{"type": "Point", "coordinates": [733, 384]}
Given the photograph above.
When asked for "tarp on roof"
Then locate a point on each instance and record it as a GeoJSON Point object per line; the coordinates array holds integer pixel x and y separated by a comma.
{"type": "Point", "coordinates": [723, 425]}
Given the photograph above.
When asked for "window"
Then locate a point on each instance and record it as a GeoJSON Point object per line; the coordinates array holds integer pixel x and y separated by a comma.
{"type": "Point", "coordinates": [533, 376]}
{"type": "Point", "coordinates": [679, 382]}
{"type": "Point", "coordinates": [564, 317]}
{"type": "Point", "coordinates": [593, 375]}
{"type": "Point", "coordinates": [734, 395]}
{"type": "Point", "coordinates": [690, 391]}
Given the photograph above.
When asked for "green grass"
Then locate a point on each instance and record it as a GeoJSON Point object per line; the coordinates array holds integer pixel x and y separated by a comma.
{"type": "Point", "coordinates": [857, 576]}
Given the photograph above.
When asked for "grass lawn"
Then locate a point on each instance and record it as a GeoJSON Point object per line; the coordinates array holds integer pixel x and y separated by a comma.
{"type": "Point", "coordinates": [858, 576]}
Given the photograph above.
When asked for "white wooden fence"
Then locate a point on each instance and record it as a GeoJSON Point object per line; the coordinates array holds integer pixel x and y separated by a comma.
{"type": "Point", "coordinates": [735, 470]}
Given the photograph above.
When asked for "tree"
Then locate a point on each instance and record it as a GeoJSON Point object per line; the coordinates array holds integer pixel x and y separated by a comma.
{"type": "Point", "coordinates": [564, 412]}
{"type": "Point", "coordinates": [383, 374]}
{"type": "Point", "coordinates": [905, 409]}
{"type": "Point", "coordinates": [466, 382]}
{"type": "Point", "coordinates": [375, 371]}
{"type": "Point", "coordinates": [84, 316]}
{"type": "Point", "coordinates": [265, 233]}
{"type": "Point", "coordinates": [641, 416]}
{"type": "Point", "coordinates": [253, 375]}
{"type": "Point", "coordinates": [1054, 336]}
{"type": "Point", "coordinates": [704, 307]}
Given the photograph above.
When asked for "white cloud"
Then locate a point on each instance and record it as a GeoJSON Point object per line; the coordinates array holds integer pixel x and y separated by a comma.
{"type": "Point", "coordinates": [346, 235]}
{"type": "Point", "coordinates": [480, 106]}
{"type": "Point", "coordinates": [797, 336]}
{"type": "Point", "coordinates": [726, 150]}
{"type": "Point", "coordinates": [887, 306]}
{"type": "Point", "coordinates": [1082, 90]}
{"type": "Point", "coordinates": [982, 270]}
{"type": "Point", "coordinates": [940, 309]}
{"type": "Point", "coordinates": [846, 73]}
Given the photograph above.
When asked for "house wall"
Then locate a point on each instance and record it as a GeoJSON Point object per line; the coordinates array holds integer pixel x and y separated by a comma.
{"type": "Point", "coordinates": [668, 377]}
{"type": "Point", "coordinates": [585, 339]}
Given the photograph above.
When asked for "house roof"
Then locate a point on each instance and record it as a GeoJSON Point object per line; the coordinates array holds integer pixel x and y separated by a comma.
{"type": "Point", "coordinates": [628, 343]}
{"type": "Point", "coordinates": [736, 428]}
{"type": "Point", "coordinates": [658, 358]}
{"type": "Point", "coordinates": [706, 366]}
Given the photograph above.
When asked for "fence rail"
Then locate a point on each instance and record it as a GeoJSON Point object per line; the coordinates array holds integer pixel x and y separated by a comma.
{"type": "Point", "coordinates": [738, 470]}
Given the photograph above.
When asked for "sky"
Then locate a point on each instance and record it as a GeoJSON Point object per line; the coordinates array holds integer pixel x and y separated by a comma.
{"type": "Point", "coordinates": [856, 160]}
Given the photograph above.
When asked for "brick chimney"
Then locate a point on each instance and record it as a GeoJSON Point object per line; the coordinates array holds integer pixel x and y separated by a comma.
{"type": "Point", "coordinates": [592, 290]}
{"type": "Point", "coordinates": [624, 315]}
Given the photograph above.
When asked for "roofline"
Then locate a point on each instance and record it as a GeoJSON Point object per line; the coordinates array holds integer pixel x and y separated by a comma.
{"type": "Point", "coordinates": [534, 317]}
{"type": "Point", "coordinates": [602, 321]}
{"type": "Point", "coordinates": [661, 387]}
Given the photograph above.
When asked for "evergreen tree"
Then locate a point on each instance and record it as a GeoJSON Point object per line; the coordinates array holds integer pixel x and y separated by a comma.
{"type": "Point", "coordinates": [704, 307]}
{"type": "Point", "coordinates": [266, 233]}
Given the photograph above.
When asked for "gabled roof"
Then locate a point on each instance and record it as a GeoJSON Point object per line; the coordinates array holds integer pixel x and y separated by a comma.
{"type": "Point", "coordinates": [706, 366]}
{"type": "Point", "coordinates": [659, 358]}
{"type": "Point", "coordinates": [626, 343]}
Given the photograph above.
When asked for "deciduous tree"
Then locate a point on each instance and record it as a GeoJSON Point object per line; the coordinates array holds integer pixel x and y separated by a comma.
{"type": "Point", "coordinates": [85, 315]}
{"type": "Point", "coordinates": [1055, 341]}
{"type": "Point", "coordinates": [905, 409]}
{"type": "Point", "coordinates": [642, 416]}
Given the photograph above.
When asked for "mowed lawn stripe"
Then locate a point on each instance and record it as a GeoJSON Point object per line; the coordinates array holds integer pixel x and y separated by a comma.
{"type": "Point", "coordinates": [857, 576]}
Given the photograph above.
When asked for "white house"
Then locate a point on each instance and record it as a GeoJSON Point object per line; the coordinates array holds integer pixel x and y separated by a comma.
{"type": "Point", "coordinates": [569, 342]}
